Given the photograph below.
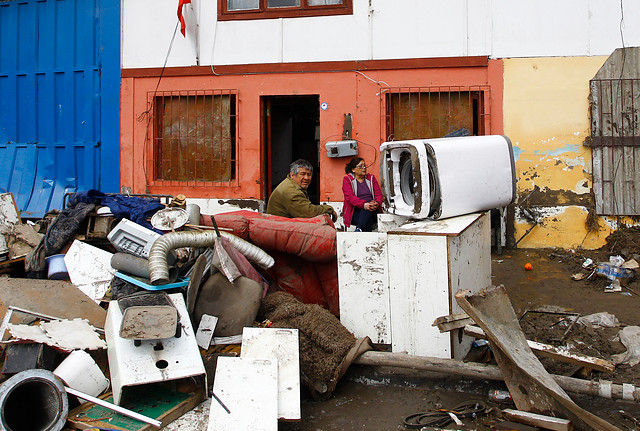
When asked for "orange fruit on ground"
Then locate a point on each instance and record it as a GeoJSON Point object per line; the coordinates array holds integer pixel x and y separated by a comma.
{"type": "Point", "coordinates": [528, 266]}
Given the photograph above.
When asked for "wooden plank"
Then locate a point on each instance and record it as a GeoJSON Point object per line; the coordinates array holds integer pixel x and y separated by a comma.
{"type": "Point", "coordinates": [537, 420]}
{"type": "Point", "coordinates": [555, 353]}
{"type": "Point", "coordinates": [452, 321]}
{"type": "Point", "coordinates": [530, 385]}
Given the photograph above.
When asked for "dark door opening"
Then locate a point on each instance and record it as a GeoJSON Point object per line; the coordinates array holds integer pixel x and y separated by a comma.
{"type": "Point", "coordinates": [291, 126]}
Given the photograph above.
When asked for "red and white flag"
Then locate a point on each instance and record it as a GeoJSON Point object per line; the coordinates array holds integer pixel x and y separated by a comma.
{"type": "Point", "coordinates": [180, 17]}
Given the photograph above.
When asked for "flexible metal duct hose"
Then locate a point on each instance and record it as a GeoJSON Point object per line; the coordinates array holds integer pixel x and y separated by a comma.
{"type": "Point", "coordinates": [33, 400]}
{"type": "Point", "coordinates": [158, 267]}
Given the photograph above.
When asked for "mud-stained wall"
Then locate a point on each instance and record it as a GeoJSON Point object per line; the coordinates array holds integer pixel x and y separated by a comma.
{"type": "Point", "coordinates": [546, 115]}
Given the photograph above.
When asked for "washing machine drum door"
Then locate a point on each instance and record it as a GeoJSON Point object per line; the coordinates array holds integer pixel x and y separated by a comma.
{"type": "Point", "coordinates": [447, 177]}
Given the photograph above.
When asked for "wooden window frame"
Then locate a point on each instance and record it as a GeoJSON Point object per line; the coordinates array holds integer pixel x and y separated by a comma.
{"type": "Point", "coordinates": [152, 162]}
{"type": "Point", "coordinates": [304, 10]}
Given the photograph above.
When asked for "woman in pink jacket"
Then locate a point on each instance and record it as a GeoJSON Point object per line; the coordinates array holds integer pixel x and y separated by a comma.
{"type": "Point", "coordinates": [362, 196]}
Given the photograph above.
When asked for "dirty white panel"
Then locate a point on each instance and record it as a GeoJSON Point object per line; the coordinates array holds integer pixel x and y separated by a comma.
{"type": "Point", "coordinates": [280, 344]}
{"type": "Point", "coordinates": [204, 334]}
{"type": "Point", "coordinates": [89, 269]}
{"type": "Point", "coordinates": [364, 285]}
{"type": "Point", "coordinates": [470, 269]}
{"type": "Point", "coordinates": [8, 211]}
{"type": "Point", "coordinates": [132, 365]}
{"type": "Point", "coordinates": [419, 284]}
{"type": "Point", "coordinates": [428, 262]}
{"type": "Point", "coordinates": [248, 387]}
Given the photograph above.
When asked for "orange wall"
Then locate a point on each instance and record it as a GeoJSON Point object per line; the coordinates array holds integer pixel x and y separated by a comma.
{"type": "Point", "coordinates": [345, 92]}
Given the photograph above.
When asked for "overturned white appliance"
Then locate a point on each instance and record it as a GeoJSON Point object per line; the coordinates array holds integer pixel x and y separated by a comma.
{"type": "Point", "coordinates": [447, 177]}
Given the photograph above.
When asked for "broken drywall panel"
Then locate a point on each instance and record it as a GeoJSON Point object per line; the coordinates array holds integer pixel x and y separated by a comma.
{"type": "Point", "coordinates": [67, 335]}
{"type": "Point", "coordinates": [89, 269]}
{"type": "Point", "coordinates": [280, 344]}
{"type": "Point", "coordinates": [247, 395]}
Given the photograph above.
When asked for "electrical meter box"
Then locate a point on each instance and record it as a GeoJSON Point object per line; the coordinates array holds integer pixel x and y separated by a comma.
{"type": "Point", "coordinates": [341, 148]}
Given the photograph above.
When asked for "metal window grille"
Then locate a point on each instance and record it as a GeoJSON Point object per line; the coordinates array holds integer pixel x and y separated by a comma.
{"type": "Point", "coordinates": [195, 138]}
{"type": "Point", "coordinates": [615, 142]}
{"type": "Point", "coordinates": [433, 112]}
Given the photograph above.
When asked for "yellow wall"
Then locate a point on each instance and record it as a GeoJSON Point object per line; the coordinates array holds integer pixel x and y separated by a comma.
{"type": "Point", "coordinates": [546, 116]}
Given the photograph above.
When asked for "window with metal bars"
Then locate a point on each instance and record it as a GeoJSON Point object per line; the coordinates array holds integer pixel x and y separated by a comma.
{"type": "Point", "coordinates": [195, 137]}
{"type": "Point", "coordinates": [263, 9]}
{"type": "Point", "coordinates": [433, 112]}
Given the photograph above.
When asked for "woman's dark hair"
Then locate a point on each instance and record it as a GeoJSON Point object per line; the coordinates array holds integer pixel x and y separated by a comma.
{"type": "Point", "coordinates": [352, 164]}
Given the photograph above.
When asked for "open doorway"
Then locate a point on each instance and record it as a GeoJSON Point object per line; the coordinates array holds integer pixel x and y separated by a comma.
{"type": "Point", "coordinates": [291, 131]}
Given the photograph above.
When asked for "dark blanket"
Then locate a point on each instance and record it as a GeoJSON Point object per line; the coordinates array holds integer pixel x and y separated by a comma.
{"type": "Point", "coordinates": [134, 208]}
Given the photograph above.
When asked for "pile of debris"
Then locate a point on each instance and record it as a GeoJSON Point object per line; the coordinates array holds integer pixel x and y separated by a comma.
{"type": "Point", "coordinates": [135, 311]}
{"type": "Point", "coordinates": [123, 312]}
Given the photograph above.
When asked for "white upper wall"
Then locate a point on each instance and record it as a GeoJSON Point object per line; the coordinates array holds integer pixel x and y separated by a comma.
{"type": "Point", "coordinates": [379, 29]}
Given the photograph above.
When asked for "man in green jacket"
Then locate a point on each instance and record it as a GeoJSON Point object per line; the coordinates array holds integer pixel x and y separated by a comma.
{"type": "Point", "coordinates": [290, 198]}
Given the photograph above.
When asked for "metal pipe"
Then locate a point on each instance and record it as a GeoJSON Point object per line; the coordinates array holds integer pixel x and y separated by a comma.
{"type": "Point", "coordinates": [33, 400]}
{"type": "Point", "coordinates": [114, 407]}
{"type": "Point", "coordinates": [158, 268]}
{"type": "Point", "coordinates": [138, 266]}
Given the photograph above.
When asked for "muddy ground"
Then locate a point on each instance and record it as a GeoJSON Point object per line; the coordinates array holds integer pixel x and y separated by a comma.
{"type": "Point", "coordinates": [380, 399]}
{"type": "Point", "coordinates": [376, 399]}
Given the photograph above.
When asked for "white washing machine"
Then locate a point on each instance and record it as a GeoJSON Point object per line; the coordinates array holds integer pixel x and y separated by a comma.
{"type": "Point", "coordinates": [447, 177]}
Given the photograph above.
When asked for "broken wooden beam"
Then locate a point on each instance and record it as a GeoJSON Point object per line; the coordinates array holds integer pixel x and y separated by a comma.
{"type": "Point", "coordinates": [452, 321]}
{"type": "Point", "coordinates": [537, 420]}
{"type": "Point", "coordinates": [601, 388]}
{"type": "Point", "coordinates": [555, 353]}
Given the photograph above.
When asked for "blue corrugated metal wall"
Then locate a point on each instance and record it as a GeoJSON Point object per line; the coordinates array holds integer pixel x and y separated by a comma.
{"type": "Point", "coordinates": [59, 100]}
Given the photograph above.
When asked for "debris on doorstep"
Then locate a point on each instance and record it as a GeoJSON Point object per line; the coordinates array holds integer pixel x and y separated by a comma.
{"type": "Point", "coordinates": [587, 262]}
{"type": "Point", "coordinates": [630, 264]}
{"type": "Point", "coordinates": [629, 336]}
